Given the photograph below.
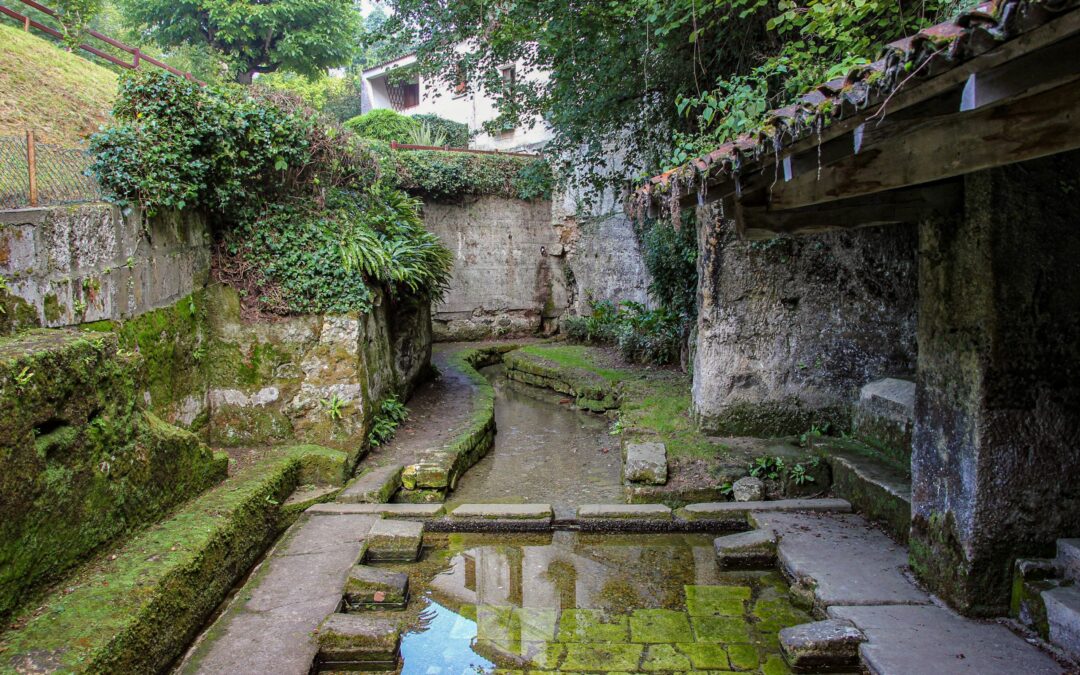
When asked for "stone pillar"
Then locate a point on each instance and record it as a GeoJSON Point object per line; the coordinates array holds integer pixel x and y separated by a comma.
{"type": "Point", "coordinates": [789, 329]}
{"type": "Point", "coordinates": [996, 448]}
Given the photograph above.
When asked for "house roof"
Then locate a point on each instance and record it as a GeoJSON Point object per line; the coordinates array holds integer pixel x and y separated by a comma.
{"type": "Point", "coordinates": [906, 66]}
{"type": "Point", "coordinates": [384, 64]}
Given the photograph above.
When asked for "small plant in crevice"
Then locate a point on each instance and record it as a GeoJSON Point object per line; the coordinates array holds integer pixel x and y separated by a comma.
{"type": "Point", "coordinates": [767, 467]}
{"type": "Point", "coordinates": [807, 438]}
{"type": "Point", "coordinates": [24, 377]}
{"type": "Point", "coordinates": [799, 475]}
{"type": "Point", "coordinates": [727, 489]}
{"type": "Point", "coordinates": [334, 407]}
{"type": "Point", "coordinates": [392, 412]}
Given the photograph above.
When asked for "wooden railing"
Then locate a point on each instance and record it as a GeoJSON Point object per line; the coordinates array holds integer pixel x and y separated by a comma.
{"type": "Point", "coordinates": [137, 57]}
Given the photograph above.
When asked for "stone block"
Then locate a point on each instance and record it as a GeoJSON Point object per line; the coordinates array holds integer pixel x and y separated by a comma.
{"type": "Point", "coordinates": [502, 512]}
{"type": "Point", "coordinates": [884, 416]}
{"type": "Point", "coordinates": [394, 541]}
{"type": "Point", "coordinates": [755, 549]}
{"type": "Point", "coordinates": [384, 510]}
{"type": "Point", "coordinates": [1063, 618]}
{"type": "Point", "coordinates": [346, 639]}
{"type": "Point", "coordinates": [1068, 558]}
{"type": "Point", "coordinates": [645, 463]}
{"type": "Point", "coordinates": [737, 511]}
{"type": "Point", "coordinates": [374, 487]}
{"type": "Point", "coordinates": [822, 645]}
{"type": "Point", "coordinates": [748, 489]}
{"type": "Point", "coordinates": [376, 588]}
{"type": "Point", "coordinates": [624, 512]}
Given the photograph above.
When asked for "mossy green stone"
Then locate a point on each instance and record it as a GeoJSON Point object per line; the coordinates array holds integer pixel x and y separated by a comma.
{"type": "Point", "coordinates": [664, 658]}
{"type": "Point", "coordinates": [704, 655]}
{"type": "Point", "coordinates": [720, 629]}
{"type": "Point", "coordinates": [537, 624]}
{"type": "Point", "coordinates": [775, 665]}
{"type": "Point", "coordinates": [743, 657]}
{"type": "Point", "coordinates": [602, 657]}
{"type": "Point", "coordinates": [591, 625]}
{"type": "Point", "coordinates": [716, 600]}
{"type": "Point", "coordinates": [659, 625]}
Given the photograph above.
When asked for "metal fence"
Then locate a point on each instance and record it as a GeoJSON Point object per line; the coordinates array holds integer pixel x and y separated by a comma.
{"type": "Point", "coordinates": [41, 174]}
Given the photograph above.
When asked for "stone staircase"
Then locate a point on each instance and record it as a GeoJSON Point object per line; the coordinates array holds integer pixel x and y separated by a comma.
{"type": "Point", "coordinates": [1046, 596]}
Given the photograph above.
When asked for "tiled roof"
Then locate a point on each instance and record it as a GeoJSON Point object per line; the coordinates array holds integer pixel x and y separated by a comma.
{"type": "Point", "coordinates": [906, 63]}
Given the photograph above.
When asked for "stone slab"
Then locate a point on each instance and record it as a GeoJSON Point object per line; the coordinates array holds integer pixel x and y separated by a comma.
{"type": "Point", "coordinates": [369, 588]}
{"type": "Point", "coordinates": [930, 640]}
{"type": "Point", "coordinates": [358, 639]}
{"type": "Point", "coordinates": [384, 510]}
{"type": "Point", "coordinates": [374, 487]}
{"type": "Point", "coordinates": [737, 510]}
{"type": "Point", "coordinates": [875, 489]}
{"type": "Point", "coordinates": [827, 645]}
{"type": "Point", "coordinates": [394, 541]}
{"type": "Point", "coordinates": [624, 511]}
{"type": "Point", "coordinates": [645, 463]}
{"type": "Point", "coordinates": [502, 512]}
{"type": "Point", "coordinates": [269, 627]}
{"type": "Point", "coordinates": [890, 397]}
{"type": "Point", "coordinates": [755, 549]}
{"type": "Point", "coordinates": [1063, 617]}
{"type": "Point", "coordinates": [1068, 558]}
{"type": "Point", "coordinates": [849, 561]}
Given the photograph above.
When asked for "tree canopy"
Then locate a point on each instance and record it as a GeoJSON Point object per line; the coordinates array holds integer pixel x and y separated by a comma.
{"type": "Point", "coordinates": [657, 79]}
{"type": "Point", "coordinates": [301, 36]}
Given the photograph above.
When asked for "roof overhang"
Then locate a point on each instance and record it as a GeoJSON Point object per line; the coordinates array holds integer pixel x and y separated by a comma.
{"type": "Point", "coordinates": [384, 68]}
{"type": "Point", "coordinates": [887, 143]}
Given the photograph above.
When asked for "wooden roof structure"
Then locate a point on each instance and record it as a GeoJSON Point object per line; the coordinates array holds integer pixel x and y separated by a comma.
{"type": "Point", "coordinates": [887, 143]}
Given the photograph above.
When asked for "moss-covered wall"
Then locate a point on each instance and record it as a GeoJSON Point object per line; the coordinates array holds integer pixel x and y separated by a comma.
{"type": "Point", "coordinates": [82, 462]}
{"type": "Point", "coordinates": [997, 408]}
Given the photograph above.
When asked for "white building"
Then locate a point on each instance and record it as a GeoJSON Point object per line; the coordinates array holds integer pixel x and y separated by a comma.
{"type": "Point", "coordinates": [426, 96]}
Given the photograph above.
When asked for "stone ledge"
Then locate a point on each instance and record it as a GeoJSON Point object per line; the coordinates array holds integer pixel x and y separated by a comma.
{"type": "Point", "coordinates": [349, 639]}
{"type": "Point", "coordinates": [755, 549]}
{"type": "Point", "coordinates": [385, 510]}
{"type": "Point", "coordinates": [374, 487]}
{"type": "Point", "coordinates": [502, 512]}
{"type": "Point", "coordinates": [623, 511]}
{"type": "Point", "coordinates": [740, 510]}
{"type": "Point", "coordinates": [829, 645]}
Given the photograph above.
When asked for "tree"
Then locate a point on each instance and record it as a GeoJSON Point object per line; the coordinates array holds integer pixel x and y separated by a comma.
{"type": "Point", "coordinates": [256, 36]}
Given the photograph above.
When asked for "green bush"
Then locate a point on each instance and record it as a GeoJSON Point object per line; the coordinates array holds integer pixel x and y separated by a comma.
{"type": "Point", "coordinates": [671, 258]}
{"type": "Point", "coordinates": [457, 134]}
{"type": "Point", "coordinates": [449, 175]}
{"type": "Point", "coordinates": [653, 336]}
{"type": "Point", "coordinates": [383, 125]}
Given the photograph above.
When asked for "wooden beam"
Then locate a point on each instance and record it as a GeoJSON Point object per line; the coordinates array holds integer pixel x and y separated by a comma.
{"type": "Point", "coordinates": [756, 220]}
{"type": "Point", "coordinates": [944, 146]}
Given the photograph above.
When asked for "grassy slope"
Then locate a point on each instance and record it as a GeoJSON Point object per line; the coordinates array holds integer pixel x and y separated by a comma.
{"type": "Point", "coordinates": [62, 96]}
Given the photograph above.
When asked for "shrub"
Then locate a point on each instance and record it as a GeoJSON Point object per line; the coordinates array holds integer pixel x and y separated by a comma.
{"type": "Point", "coordinates": [671, 258]}
{"type": "Point", "coordinates": [383, 125]}
{"type": "Point", "coordinates": [449, 175]}
{"type": "Point", "coordinates": [654, 336]}
{"type": "Point", "coordinates": [457, 134]}
{"type": "Point", "coordinates": [424, 134]}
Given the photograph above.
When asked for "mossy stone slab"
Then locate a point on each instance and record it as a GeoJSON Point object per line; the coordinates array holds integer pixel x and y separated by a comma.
{"type": "Point", "coordinates": [591, 625]}
{"type": "Point", "coordinates": [716, 600]}
{"type": "Point", "coordinates": [720, 629]}
{"type": "Point", "coordinates": [664, 658]}
{"type": "Point", "coordinates": [743, 657]}
{"type": "Point", "coordinates": [659, 625]}
{"type": "Point", "coordinates": [704, 655]}
{"type": "Point", "coordinates": [603, 657]}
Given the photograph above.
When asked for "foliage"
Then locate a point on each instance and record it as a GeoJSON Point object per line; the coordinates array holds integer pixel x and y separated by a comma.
{"type": "Point", "coordinates": [392, 412]}
{"type": "Point", "coordinates": [382, 124]}
{"type": "Point", "coordinates": [334, 407]}
{"type": "Point", "coordinates": [336, 97]}
{"type": "Point", "coordinates": [767, 467]}
{"type": "Point", "coordinates": [670, 255]}
{"type": "Point", "coordinates": [301, 36]}
{"type": "Point", "coordinates": [424, 134]}
{"type": "Point", "coordinates": [377, 44]}
{"type": "Point", "coordinates": [443, 175]}
{"type": "Point", "coordinates": [621, 72]}
{"type": "Point", "coordinates": [654, 336]}
{"type": "Point", "coordinates": [74, 15]}
{"type": "Point", "coordinates": [457, 134]}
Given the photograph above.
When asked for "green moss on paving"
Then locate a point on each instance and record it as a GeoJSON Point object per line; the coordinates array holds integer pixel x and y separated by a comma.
{"type": "Point", "coordinates": [658, 625]}
{"type": "Point", "coordinates": [137, 609]}
{"type": "Point", "coordinates": [603, 657]}
{"type": "Point", "coordinates": [716, 600]}
{"type": "Point", "coordinates": [593, 625]}
{"type": "Point", "coordinates": [722, 629]}
{"type": "Point", "coordinates": [664, 658]}
{"type": "Point", "coordinates": [576, 356]}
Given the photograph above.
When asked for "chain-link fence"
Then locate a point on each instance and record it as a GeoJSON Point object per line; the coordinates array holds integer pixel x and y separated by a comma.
{"type": "Point", "coordinates": [41, 174]}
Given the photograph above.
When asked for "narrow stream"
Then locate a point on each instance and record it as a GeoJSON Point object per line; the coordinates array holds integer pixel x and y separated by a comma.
{"type": "Point", "coordinates": [545, 452]}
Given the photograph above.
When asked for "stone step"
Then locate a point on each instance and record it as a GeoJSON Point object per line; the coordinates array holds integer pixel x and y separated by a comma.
{"type": "Point", "coordinates": [1063, 618]}
{"type": "Point", "coordinates": [755, 549]}
{"type": "Point", "coordinates": [884, 416]}
{"type": "Point", "coordinates": [374, 487]}
{"type": "Point", "coordinates": [374, 588]}
{"type": "Point", "coordinates": [358, 642]}
{"type": "Point", "coordinates": [394, 541]}
{"type": "Point", "coordinates": [822, 646]}
{"type": "Point", "coordinates": [1068, 558]}
{"type": "Point", "coordinates": [384, 510]}
{"type": "Point", "coordinates": [875, 488]}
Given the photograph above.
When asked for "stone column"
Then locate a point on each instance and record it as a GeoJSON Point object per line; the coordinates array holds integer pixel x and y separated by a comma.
{"type": "Point", "coordinates": [996, 456]}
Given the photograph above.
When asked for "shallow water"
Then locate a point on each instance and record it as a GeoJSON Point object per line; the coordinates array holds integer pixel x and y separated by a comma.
{"type": "Point", "coordinates": [578, 602]}
{"type": "Point", "coordinates": [545, 452]}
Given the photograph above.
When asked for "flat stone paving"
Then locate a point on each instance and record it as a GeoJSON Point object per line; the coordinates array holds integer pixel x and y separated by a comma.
{"type": "Point", "coordinates": [268, 628]}
{"type": "Point", "coordinates": [860, 575]}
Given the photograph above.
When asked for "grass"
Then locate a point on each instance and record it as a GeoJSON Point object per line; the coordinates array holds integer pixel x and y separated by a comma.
{"type": "Point", "coordinates": [61, 96]}
{"type": "Point", "coordinates": [654, 401]}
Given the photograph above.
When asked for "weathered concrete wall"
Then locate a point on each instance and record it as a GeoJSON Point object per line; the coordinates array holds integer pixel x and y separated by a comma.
{"type": "Point", "coordinates": [997, 408]}
{"type": "Point", "coordinates": [271, 381]}
{"type": "Point", "coordinates": [509, 276]}
{"type": "Point", "coordinates": [84, 263]}
{"type": "Point", "coordinates": [605, 262]}
{"type": "Point", "coordinates": [789, 329]}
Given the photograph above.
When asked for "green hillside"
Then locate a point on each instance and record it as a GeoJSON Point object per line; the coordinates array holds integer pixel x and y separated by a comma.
{"type": "Point", "coordinates": [61, 96]}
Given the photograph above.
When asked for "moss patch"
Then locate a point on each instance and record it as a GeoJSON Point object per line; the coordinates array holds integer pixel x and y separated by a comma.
{"type": "Point", "coordinates": [137, 609]}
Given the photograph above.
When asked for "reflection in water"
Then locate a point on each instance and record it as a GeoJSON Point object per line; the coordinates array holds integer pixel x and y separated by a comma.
{"type": "Point", "coordinates": [591, 603]}
{"type": "Point", "coordinates": [545, 452]}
